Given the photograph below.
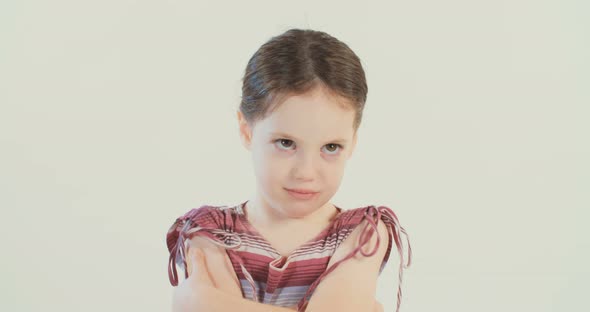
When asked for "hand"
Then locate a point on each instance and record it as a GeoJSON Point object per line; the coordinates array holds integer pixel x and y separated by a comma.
{"type": "Point", "coordinates": [192, 293]}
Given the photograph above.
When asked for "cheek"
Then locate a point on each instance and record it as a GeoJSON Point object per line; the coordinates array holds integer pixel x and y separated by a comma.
{"type": "Point", "coordinates": [270, 167]}
{"type": "Point", "coordinates": [334, 173]}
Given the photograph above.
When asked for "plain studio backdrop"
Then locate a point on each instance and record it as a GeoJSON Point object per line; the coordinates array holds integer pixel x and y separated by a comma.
{"type": "Point", "coordinates": [118, 116]}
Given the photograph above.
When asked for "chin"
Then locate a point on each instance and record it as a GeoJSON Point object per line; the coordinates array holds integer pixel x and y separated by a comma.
{"type": "Point", "coordinates": [300, 209]}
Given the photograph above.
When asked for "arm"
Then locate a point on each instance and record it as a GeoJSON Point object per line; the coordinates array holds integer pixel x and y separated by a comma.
{"type": "Point", "coordinates": [212, 285]}
{"type": "Point", "coordinates": [225, 293]}
{"type": "Point", "coordinates": [218, 301]}
{"type": "Point", "coordinates": [218, 265]}
{"type": "Point", "coordinates": [222, 302]}
{"type": "Point", "coordinates": [352, 285]}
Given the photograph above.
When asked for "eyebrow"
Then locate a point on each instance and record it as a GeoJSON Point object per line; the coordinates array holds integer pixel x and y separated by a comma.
{"type": "Point", "coordinates": [293, 138]}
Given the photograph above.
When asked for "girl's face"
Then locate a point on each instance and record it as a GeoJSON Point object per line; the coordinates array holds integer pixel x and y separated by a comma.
{"type": "Point", "coordinates": [302, 144]}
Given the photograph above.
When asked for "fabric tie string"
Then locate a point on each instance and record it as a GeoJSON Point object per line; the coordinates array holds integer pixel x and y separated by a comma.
{"type": "Point", "coordinates": [372, 215]}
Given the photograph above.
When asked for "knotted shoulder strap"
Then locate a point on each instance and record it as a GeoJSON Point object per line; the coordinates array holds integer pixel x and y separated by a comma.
{"type": "Point", "coordinates": [213, 223]}
{"type": "Point", "coordinates": [372, 214]}
{"type": "Point", "coordinates": [206, 221]}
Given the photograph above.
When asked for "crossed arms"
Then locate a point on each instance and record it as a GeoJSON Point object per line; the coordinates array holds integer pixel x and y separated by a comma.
{"type": "Point", "coordinates": [212, 285]}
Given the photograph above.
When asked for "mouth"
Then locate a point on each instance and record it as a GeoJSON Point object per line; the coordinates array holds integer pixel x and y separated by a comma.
{"type": "Point", "coordinates": [301, 191]}
{"type": "Point", "coordinates": [300, 194]}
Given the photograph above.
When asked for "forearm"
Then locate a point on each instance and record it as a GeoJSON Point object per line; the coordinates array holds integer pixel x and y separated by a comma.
{"type": "Point", "coordinates": [225, 302]}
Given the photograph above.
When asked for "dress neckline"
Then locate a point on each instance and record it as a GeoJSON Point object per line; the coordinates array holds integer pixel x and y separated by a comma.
{"type": "Point", "coordinates": [253, 229]}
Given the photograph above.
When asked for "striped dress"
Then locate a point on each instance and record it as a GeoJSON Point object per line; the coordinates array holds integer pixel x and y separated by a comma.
{"type": "Point", "coordinates": [264, 274]}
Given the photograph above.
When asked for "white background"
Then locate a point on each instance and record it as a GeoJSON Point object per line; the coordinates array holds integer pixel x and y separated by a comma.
{"type": "Point", "coordinates": [118, 116]}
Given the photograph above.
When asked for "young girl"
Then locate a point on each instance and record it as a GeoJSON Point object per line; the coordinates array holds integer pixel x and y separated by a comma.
{"type": "Point", "coordinates": [288, 248]}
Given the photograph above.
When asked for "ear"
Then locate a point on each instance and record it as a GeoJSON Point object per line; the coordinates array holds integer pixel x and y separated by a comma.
{"type": "Point", "coordinates": [245, 130]}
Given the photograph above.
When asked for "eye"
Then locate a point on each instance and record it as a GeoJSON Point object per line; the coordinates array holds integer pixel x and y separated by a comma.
{"type": "Point", "coordinates": [333, 148]}
{"type": "Point", "coordinates": [281, 141]}
{"type": "Point", "coordinates": [286, 144]}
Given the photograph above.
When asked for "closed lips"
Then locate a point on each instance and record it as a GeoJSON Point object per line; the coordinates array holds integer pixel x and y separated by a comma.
{"type": "Point", "coordinates": [301, 191]}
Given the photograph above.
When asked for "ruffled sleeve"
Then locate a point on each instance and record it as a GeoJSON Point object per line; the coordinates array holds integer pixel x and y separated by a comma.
{"type": "Point", "coordinates": [372, 214]}
{"type": "Point", "coordinates": [204, 221]}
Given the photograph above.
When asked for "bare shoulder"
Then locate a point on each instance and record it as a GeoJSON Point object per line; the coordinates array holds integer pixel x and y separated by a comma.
{"type": "Point", "coordinates": [354, 280]}
{"type": "Point", "coordinates": [218, 264]}
{"type": "Point", "coordinates": [379, 240]}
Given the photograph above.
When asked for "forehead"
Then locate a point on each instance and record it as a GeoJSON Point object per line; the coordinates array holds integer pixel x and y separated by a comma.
{"type": "Point", "coordinates": [317, 113]}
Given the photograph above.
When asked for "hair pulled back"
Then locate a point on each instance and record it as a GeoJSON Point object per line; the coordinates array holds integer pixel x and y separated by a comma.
{"type": "Point", "coordinates": [294, 63]}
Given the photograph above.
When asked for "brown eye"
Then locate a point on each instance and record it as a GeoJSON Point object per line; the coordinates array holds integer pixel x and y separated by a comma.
{"type": "Point", "coordinates": [332, 148]}
{"type": "Point", "coordinates": [282, 141]}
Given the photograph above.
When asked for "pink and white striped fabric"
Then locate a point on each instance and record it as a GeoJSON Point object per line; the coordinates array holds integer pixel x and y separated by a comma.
{"type": "Point", "coordinates": [264, 274]}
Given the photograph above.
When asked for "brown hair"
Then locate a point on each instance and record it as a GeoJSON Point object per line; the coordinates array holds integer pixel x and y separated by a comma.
{"type": "Point", "coordinates": [295, 62]}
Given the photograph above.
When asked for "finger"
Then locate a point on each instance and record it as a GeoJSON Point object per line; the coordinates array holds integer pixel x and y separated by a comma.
{"type": "Point", "coordinates": [198, 271]}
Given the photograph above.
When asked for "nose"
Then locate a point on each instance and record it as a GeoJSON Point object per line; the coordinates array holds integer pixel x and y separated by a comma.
{"type": "Point", "coordinates": [304, 167]}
